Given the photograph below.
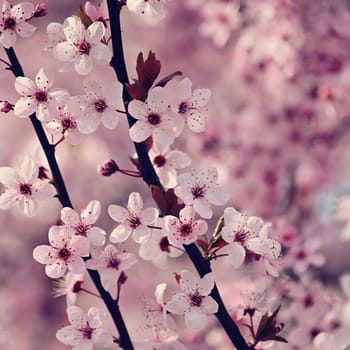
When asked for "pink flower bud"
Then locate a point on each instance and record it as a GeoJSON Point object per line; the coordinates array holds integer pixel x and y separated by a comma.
{"type": "Point", "coordinates": [107, 168]}
{"type": "Point", "coordinates": [5, 106]}
{"type": "Point", "coordinates": [122, 278]}
{"type": "Point", "coordinates": [40, 10]}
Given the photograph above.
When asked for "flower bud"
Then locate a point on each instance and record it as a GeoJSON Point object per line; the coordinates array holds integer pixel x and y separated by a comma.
{"type": "Point", "coordinates": [107, 168]}
{"type": "Point", "coordinates": [5, 106]}
{"type": "Point", "coordinates": [40, 10]}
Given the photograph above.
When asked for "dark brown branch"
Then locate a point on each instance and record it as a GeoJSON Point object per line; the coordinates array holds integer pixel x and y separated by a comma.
{"type": "Point", "coordinates": [151, 178]}
{"type": "Point", "coordinates": [49, 150]}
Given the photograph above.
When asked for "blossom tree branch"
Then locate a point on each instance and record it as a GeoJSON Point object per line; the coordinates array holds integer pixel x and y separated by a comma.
{"type": "Point", "coordinates": [150, 177]}
{"type": "Point", "coordinates": [49, 150]}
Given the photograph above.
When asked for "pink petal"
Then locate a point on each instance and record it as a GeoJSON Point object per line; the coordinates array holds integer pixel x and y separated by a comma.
{"type": "Point", "coordinates": [97, 236]}
{"type": "Point", "coordinates": [206, 284]}
{"type": "Point", "coordinates": [43, 80]}
{"type": "Point", "coordinates": [41, 254]}
{"type": "Point", "coordinates": [8, 38]}
{"type": "Point", "coordinates": [76, 316]}
{"type": "Point", "coordinates": [195, 319]}
{"type": "Point", "coordinates": [203, 208]}
{"type": "Point", "coordinates": [117, 213]}
{"type": "Point", "coordinates": [101, 54]}
{"type": "Point", "coordinates": [91, 213]}
{"type": "Point", "coordinates": [157, 99]}
{"type": "Point", "coordinates": [95, 317]}
{"type": "Point", "coordinates": [141, 234]}
{"type": "Point", "coordinates": [149, 216]}
{"type": "Point", "coordinates": [83, 64]}
{"type": "Point", "coordinates": [188, 282]}
{"type": "Point", "coordinates": [25, 29]}
{"type": "Point", "coordinates": [24, 107]}
{"type": "Point", "coordinates": [69, 216]}
{"type": "Point", "coordinates": [140, 131]}
{"type": "Point", "coordinates": [120, 234]}
{"type": "Point", "coordinates": [30, 207]}
{"type": "Point", "coordinates": [135, 203]}
{"type": "Point", "coordinates": [95, 32]}
{"type": "Point", "coordinates": [56, 269]}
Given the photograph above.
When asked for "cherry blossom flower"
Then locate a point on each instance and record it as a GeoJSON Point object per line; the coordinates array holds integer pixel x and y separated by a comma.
{"type": "Point", "coordinates": [265, 249]}
{"type": "Point", "coordinates": [166, 161]}
{"type": "Point", "coordinates": [154, 118]}
{"type": "Point", "coordinates": [82, 46]}
{"type": "Point", "coordinates": [134, 220]}
{"type": "Point", "coordinates": [248, 235]}
{"type": "Point", "coordinates": [155, 310]}
{"type": "Point", "coordinates": [194, 303]}
{"type": "Point", "coordinates": [220, 19]}
{"type": "Point", "coordinates": [253, 300]}
{"type": "Point", "coordinates": [85, 329]}
{"type": "Point", "coordinates": [97, 13]}
{"type": "Point", "coordinates": [200, 188]}
{"type": "Point", "coordinates": [110, 263]}
{"type": "Point", "coordinates": [153, 8]}
{"type": "Point", "coordinates": [24, 187]}
{"type": "Point", "coordinates": [13, 21]}
{"type": "Point", "coordinates": [65, 123]}
{"type": "Point", "coordinates": [83, 224]}
{"type": "Point", "coordinates": [99, 104]}
{"type": "Point", "coordinates": [188, 105]}
{"type": "Point", "coordinates": [304, 255]}
{"type": "Point", "coordinates": [158, 337]}
{"type": "Point", "coordinates": [157, 248]}
{"type": "Point", "coordinates": [70, 286]}
{"type": "Point", "coordinates": [184, 230]}
{"type": "Point", "coordinates": [66, 251]}
{"type": "Point", "coordinates": [38, 96]}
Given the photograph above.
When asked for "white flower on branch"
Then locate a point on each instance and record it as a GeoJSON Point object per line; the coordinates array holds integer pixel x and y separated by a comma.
{"type": "Point", "coordinates": [13, 22]}
{"type": "Point", "coordinates": [135, 220]}
{"type": "Point", "coordinates": [82, 46]}
{"type": "Point", "coordinates": [110, 263]}
{"type": "Point", "coordinates": [85, 329]}
{"type": "Point", "coordinates": [194, 303]}
{"type": "Point", "coordinates": [200, 188]}
{"type": "Point", "coordinates": [154, 118]}
{"type": "Point", "coordinates": [38, 97]}
{"type": "Point", "coordinates": [24, 187]}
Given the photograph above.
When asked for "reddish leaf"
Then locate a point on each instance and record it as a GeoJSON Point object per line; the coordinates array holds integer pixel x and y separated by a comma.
{"type": "Point", "coordinates": [173, 204]}
{"type": "Point", "coordinates": [136, 91]}
{"type": "Point", "coordinates": [85, 19]}
{"type": "Point", "coordinates": [203, 244]}
{"type": "Point", "coordinates": [177, 277]}
{"type": "Point", "coordinates": [148, 70]}
{"type": "Point", "coordinates": [268, 328]}
{"type": "Point", "coordinates": [166, 79]}
{"type": "Point", "coordinates": [149, 143]}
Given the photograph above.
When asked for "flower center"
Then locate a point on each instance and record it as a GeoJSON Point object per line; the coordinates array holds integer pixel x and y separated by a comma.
{"type": "Point", "coordinates": [113, 263]}
{"type": "Point", "coordinates": [77, 287]}
{"type": "Point", "coordinates": [240, 236]}
{"type": "Point", "coordinates": [64, 254]}
{"type": "Point", "coordinates": [154, 118]}
{"type": "Point", "coordinates": [134, 221]}
{"type": "Point", "coordinates": [81, 229]}
{"type": "Point", "coordinates": [10, 23]}
{"type": "Point", "coordinates": [41, 96]}
{"type": "Point", "coordinates": [164, 245]}
{"type": "Point", "coordinates": [159, 161]}
{"type": "Point", "coordinates": [25, 189]}
{"type": "Point", "coordinates": [84, 48]}
{"type": "Point", "coordinates": [86, 332]}
{"type": "Point", "coordinates": [68, 123]}
{"type": "Point", "coordinates": [100, 105]}
{"type": "Point", "coordinates": [198, 191]}
{"type": "Point", "coordinates": [185, 229]}
{"type": "Point", "coordinates": [196, 299]}
{"type": "Point", "coordinates": [183, 108]}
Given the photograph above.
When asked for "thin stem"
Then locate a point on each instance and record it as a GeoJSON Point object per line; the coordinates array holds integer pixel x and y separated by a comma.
{"type": "Point", "coordinates": [49, 150]}
{"type": "Point", "coordinates": [89, 292]}
{"type": "Point", "coordinates": [150, 177]}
